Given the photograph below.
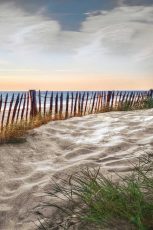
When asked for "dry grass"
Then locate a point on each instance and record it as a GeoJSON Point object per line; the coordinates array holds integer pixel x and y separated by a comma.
{"type": "Point", "coordinates": [146, 103]}
{"type": "Point", "coordinates": [16, 132]}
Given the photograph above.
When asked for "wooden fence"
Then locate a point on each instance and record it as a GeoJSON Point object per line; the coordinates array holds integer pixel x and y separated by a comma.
{"type": "Point", "coordinates": [63, 105]}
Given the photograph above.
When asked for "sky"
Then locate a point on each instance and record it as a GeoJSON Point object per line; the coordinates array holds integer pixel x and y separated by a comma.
{"type": "Point", "coordinates": [76, 44]}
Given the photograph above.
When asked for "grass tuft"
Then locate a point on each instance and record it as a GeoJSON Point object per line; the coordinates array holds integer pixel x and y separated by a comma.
{"type": "Point", "coordinates": [15, 133]}
{"type": "Point", "coordinates": [94, 201]}
{"type": "Point", "coordinates": [147, 103]}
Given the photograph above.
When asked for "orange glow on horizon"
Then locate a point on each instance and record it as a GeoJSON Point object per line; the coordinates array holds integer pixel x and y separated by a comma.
{"type": "Point", "coordinates": [77, 82]}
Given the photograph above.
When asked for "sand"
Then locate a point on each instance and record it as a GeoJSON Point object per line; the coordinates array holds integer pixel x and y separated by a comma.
{"type": "Point", "coordinates": [109, 140]}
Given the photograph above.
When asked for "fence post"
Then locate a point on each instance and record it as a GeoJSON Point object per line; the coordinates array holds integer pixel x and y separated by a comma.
{"type": "Point", "coordinates": [109, 94]}
{"type": "Point", "coordinates": [3, 116]}
{"type": "Point", "coordinates": [56, 107]}
{"type": "Point", "coordinates": [0, 103]}
{"type": "Point", "coordinates": [33, 100]}
{"type": "Point", "coordinates": [151, 93]}
{"type": "Point", "coordinates": [67, 106]}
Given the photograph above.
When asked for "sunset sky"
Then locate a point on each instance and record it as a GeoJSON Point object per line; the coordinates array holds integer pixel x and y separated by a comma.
{"type": "Point", "coordinates": [76, 44]}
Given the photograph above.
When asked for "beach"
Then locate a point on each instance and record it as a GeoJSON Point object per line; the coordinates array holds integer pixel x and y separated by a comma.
{"type": "Point", "coordinates": [109, 140]}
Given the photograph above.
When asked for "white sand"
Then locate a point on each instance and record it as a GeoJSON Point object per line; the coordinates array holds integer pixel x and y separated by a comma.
{"type": "Point", "coordinates": [109, 140]}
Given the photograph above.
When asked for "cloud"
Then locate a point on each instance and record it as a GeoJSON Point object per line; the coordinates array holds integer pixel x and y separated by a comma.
{"type": "Point", "coordinates": [123, 30]}
{"type": "Point", "coordinates": [4, 62]}
{"type": "Point", "coordinates": [25, 31]}
{"type": "Point", "coordinates": [106, 39]}
{"type": "Point", "coordinates": [134, 2]}
{"type": "Point", "coordinates": [121, 40]}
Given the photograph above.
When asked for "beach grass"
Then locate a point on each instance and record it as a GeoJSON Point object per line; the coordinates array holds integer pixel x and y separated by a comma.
{"type": "Point", "coordinates": [96, 201]}
{"type": "Point", "coordinates": [128, 106]}
{"type": "Point", "coordinates": [15, 133]}
{"type": "Point", "coordinates": [148, 103]}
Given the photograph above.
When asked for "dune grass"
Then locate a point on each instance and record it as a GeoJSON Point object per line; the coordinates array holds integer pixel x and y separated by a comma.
{"type": "Point", "coordinates": [95, 201]}
{"type": "Point", "coordinates": [128, 106]}
{"type": "Point", "coordinates": [15, 133]}
{"type": "Point", "coordinates": [148, 103]}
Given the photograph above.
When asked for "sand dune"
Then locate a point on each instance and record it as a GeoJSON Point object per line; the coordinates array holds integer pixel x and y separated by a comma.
{"type": "Point", "coordinates": [109, 140]}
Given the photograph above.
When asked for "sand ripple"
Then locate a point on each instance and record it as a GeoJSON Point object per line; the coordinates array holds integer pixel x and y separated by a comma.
{"type": "Point", "coordinates": [110, 140]}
